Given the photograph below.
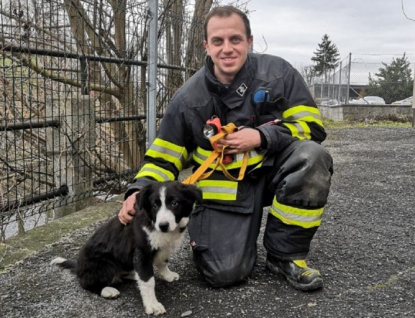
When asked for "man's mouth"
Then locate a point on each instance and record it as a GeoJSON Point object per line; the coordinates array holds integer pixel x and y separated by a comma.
{"type": "Point", "coordinates": [228, 59]}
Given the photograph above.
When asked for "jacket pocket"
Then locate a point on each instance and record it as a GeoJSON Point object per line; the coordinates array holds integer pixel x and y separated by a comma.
{"type": "Point", "coordinates": [270, 110]}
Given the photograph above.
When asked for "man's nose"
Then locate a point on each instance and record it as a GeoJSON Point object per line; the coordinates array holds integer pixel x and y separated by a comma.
{"type": "Point", "coordinates": [227, 46]}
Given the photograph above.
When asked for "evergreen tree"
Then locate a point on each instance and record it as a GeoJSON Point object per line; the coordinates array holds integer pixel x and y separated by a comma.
{"type": "Point", "coordinates": [326, 57]}
{"type": "Point", "coordinates": [393, 82]}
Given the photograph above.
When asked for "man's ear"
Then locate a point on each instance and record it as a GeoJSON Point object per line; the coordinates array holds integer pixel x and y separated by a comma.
{"type": "Point", "coordinates": [206, 46]}
{"type": "Point", "coordinates": [250, 41]}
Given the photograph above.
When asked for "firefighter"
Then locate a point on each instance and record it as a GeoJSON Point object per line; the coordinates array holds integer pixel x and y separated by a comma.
{"type": "Point", "coordinates": [278, 144]}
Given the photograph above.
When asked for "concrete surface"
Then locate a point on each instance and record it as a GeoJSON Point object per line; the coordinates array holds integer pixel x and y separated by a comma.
{"type": "Point", "coordinates": [367, 112]}
{"type": "Point", "coordinates": [365, 250]}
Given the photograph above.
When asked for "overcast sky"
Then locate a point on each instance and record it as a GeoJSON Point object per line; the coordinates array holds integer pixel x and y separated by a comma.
{"type": "Point", "coordinates": [293, 29]}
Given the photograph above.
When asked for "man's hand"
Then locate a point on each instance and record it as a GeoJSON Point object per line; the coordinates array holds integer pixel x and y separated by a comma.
{"type": "Point", "coordinates": [243, 140]}
{"type": "Point", "coordinates": [127, 211]}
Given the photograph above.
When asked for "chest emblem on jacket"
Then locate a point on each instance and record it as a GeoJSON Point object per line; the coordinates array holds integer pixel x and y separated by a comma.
{"type": "Point", "coordinates": [242, 89]}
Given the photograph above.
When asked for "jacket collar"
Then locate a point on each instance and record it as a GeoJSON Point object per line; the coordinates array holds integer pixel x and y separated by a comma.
{"type": "Point", "coordinates": [234, 95]}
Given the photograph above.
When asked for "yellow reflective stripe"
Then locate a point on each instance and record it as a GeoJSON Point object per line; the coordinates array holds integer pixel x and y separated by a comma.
{"type": "Point", "coordinates": [303, 113]}
{"type": "Point", "coordinates": [200, 155]}
{"type": "Point", "coordinates": [218, 196]}
{"type": "Point", "coordinates": [294, 130]}
{"type": "Point", "coordinates": [168, 151]}
{"type": "Point", "coordinates": [299, 130]}
{"type": "Point", "coordinates": [296, 216]}
{"type": "Point", "coordinates": [218, 189]}
{"type": "Point", "coordinates": [298, 117]}
{"type": "Point", "coordinates": [300, 108]}
{"type": "Point", "coordinates": [306, 132]}
{"type": "Point", "coordinates": [155, 172]}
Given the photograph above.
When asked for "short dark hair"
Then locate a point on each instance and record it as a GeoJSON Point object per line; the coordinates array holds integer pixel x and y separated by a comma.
{"type": "Point", "coordinates": [227, 11]}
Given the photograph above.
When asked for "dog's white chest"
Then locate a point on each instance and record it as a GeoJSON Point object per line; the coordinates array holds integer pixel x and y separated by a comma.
{"type": "Point", "coordinates": [160, 240]}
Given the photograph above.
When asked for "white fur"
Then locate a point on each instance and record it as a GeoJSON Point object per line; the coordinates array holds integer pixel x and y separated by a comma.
{"type": "Point", "coordinates": [150, 302]}
{"type": "Point", "coordinates": [164, 215]}
{"type": "Point", "coordinates": [183, 222]}
{"type": "Point", "coordinates": [109, 292]}
{"type": "Point", "coordinates": [160, 261]}
{"type": "Point", "coordinates": [169, 240]}
{"type": "Point", "coordinates": [57, 260]}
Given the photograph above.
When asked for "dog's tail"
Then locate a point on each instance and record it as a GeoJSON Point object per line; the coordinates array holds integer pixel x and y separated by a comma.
{"type": "Point", "coordinates": [65, 263]}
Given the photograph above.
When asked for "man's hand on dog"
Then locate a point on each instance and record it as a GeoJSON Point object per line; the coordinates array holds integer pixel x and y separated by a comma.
{"type": "Point", "coordinates": [127, 211]}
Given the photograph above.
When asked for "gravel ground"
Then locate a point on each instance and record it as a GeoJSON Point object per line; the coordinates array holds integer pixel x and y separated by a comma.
{"type": "Point", "coordinates": [364, 249]}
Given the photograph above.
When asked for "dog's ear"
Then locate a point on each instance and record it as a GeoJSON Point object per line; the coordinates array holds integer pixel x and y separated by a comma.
{"type": "Point", "coordinates": [193, 192]}
{"type": "Point", "coordinates": [143, 198]}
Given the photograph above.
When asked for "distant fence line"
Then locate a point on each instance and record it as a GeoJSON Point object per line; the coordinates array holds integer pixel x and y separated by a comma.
{"type": "Point", "coordinates": [351, 77]}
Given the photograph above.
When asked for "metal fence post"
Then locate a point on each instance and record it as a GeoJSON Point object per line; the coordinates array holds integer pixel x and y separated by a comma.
{"type": "Point", "coordinates": [348, 79]}
{"type": "Point", "coordinates": [340, 83]}
{"type": "Point", "coordinates": [413, 102]}
{"type": "Point", "coordinates": [152, 72]}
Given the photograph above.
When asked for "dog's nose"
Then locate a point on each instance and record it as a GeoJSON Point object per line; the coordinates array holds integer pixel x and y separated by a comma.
{"type": "Point", "coordinates": [164, 227]}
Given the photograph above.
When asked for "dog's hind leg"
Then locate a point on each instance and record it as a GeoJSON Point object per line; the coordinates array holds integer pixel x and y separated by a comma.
{"type": "Point", "coordinates": [109, 292]}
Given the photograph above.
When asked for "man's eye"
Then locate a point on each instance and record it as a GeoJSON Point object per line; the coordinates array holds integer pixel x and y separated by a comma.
{"type": "Point", "coordinates": [216, 41]}
{"type": "Point", "coordinates": [236, 40]}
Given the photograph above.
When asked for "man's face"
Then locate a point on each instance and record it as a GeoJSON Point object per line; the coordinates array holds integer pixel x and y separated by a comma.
{"type": "Point", "coordinates": [227, 45]}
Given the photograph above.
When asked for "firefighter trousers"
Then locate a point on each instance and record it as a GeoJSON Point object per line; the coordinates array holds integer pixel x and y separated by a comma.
{"type": "Point", "coordinates": [295, 186]}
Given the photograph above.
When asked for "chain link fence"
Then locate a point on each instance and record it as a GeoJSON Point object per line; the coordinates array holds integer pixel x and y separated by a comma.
{"type": "Point", "coordinates": [350, 79]}
{"type": "Point", "coordinates": [74, 99]}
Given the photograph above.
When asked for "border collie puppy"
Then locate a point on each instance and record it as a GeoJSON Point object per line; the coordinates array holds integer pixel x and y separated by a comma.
{"type": "Point", "coordinates": [116, 251]}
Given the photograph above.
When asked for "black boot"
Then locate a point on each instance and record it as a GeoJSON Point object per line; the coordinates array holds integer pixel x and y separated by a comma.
{"type": "Point", "coordinates": [297, 273]}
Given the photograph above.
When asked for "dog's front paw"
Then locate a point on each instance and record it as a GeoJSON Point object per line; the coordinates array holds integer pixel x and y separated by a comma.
{"type": "Point", "coordinates": [170, 276]}
{"type": "Point", "coordinates": [154, 308]}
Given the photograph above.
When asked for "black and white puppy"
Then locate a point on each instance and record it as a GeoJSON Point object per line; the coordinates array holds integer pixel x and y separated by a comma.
{"type": "Point", "coordinates": [116, 251]}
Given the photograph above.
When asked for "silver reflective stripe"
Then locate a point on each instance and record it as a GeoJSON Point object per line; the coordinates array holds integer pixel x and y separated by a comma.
{"type": "Point", "coordinates": [299, 217]}
{"type": "Point", "coordinates": [199, 155]}
{"type": "Point", "coordinates": [167, 151]}
{"type": "Point", "coordinates": [218, 189]}
{"type": "Point", "coordinates": [303, 114]}
{"type": "Point", "coordinates": [300, 128]}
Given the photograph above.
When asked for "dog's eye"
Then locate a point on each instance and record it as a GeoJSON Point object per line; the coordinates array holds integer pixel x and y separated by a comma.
{"type": "Point", "coordinates": [155, 206]}
{"type": "Point", "coordinates": [174, 203]}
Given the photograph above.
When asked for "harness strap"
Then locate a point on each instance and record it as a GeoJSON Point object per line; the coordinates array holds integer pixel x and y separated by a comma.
{"type": "Point", "coordinates": [218, 155]}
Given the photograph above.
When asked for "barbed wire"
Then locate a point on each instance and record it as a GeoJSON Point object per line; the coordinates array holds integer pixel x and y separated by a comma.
{"type": "Point", "coordinates": [404, 13]}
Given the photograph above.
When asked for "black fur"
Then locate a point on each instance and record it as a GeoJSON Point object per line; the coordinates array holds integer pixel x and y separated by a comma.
{"type": "Point", "coordinates": [115, 249]}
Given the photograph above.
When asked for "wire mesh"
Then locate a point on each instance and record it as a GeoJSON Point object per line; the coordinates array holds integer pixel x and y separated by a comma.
{"type": "Point", "coordinates": [350, 79]}
{"type": "Point", "coordinates": [73, 77]}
